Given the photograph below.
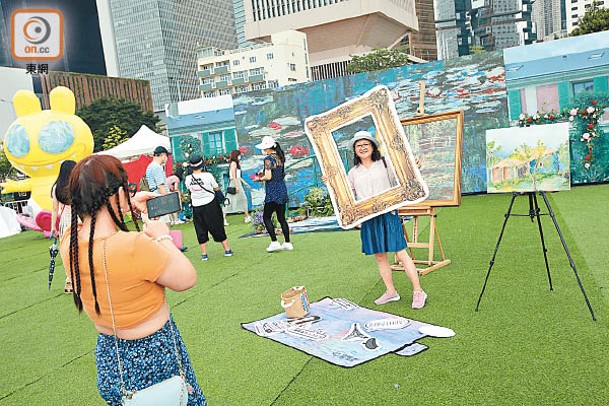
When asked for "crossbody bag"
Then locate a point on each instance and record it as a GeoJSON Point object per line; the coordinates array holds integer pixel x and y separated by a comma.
{"type": "Point", "coordinates": [170, 392]}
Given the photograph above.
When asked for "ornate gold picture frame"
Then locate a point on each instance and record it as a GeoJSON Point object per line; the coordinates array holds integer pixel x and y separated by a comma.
{"type": "Point", "coordinates": [437, 141]}
{"type": "Point", "coordinates": [377, 104]}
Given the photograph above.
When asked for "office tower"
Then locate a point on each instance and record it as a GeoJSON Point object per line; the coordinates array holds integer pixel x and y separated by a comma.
{"type": "Point", "coordinates": [239, 10]}
{"type": "Point", "coordinates": [422, 43]}
{"type": "Point", "coordinates": [575, 9]}
{"type": "Point", "coordinates": [157, 40]}
{"type": "Point", "coordinates": [549, 16]}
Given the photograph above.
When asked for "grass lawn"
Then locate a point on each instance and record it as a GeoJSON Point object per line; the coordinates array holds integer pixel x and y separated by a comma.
{"type": "Point", "coordinates": [526, 345]}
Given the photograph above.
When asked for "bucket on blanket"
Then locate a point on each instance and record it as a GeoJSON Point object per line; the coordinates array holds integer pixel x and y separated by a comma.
{"type": "Point", "coordinates": [295, 302]}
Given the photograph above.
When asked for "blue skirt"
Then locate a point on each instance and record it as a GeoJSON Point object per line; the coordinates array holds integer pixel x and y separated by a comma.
{"type": "Point", "coordinates": [382, 234]}
{"type": "Point", "coordinates": [146, 361]}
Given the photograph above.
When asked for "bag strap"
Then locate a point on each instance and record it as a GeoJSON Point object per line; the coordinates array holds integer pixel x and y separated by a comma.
{"type": "Point", "coordinates": [198, 182]}
{"type": "Point", "coordinates": [118, 356]}
{"type": "Point", "coordinates": [387, 170]}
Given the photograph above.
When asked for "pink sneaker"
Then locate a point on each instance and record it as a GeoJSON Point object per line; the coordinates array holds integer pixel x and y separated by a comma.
{"type": "Point", "coordinates": [387, 297]}
{"type": "Point", "coordinates": [418, 299]}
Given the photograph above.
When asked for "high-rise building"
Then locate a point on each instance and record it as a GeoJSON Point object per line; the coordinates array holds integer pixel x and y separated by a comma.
{"type": "Point", "coordinates": [83, 51]}
{"type": "Point", "coordinates": [505, 24]}
{"type": "Point", "coordinates": [282, 62]}
{"type": "Point", "coordinates": [335, 29]}
{"type": "Point", "coordinates": [239, 10]}
{"type": "Point", "coordinates": [156, 40]}
{"type": "Point", "coordinates": [422, 43]}
{"type": "Point", "coordinates": [493, 25]}
{"type": "Point", "coordinates": [549, 17]}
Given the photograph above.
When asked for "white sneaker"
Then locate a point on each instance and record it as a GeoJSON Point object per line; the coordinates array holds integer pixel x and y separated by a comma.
{"type": "Point", "coordinates": [274, 246]}
{"type": "Point", "coordinates": [225, 223]}
{"type": "Point", "coordinates": [247, 220]}
{"type": "Point", "coordinates": [287, 246]}
{"type": "Point", "coordinates": [178, 222]}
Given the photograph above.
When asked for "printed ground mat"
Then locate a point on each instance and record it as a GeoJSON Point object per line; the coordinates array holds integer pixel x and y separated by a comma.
{"type": "Point", "coordinates": [310, 225]}
{"type": "Point", "coordinates": [343, 333]}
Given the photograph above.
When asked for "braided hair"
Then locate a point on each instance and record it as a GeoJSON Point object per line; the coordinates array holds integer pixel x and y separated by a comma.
{"type": "Point", "coordinates": [93, 182]}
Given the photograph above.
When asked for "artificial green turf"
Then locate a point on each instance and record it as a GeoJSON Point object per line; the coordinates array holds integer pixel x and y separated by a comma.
{"type": "Point", "coordinates": [526, 345]}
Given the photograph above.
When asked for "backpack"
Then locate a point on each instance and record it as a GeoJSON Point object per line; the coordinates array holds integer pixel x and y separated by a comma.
{"type": "Point", "coordinates": [144, 187]}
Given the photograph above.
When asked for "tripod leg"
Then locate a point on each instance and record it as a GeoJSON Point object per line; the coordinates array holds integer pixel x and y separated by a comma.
{"type": "Point", "coordinates": [543, 243]}
{"type": "Point", "coordinates": [571, 262]}
{"type": "Point", "coordinates": [507, 216]}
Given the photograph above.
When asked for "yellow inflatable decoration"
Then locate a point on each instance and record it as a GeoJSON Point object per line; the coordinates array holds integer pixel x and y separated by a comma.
{"type": "Point", "coordinates": [37, 142]}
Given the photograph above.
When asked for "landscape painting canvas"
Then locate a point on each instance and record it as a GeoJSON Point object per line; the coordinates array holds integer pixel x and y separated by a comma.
{"type": "Point", "coordinates": [528, 159]}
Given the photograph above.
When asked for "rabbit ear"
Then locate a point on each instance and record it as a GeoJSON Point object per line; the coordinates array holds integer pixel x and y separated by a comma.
{"type": "Point", "coordinates": [62, 100]}
{"type": "Point", "coordinates": [26, 102]}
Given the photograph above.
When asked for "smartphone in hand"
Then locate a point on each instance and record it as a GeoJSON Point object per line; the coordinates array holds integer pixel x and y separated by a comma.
{"type": "Point", "coordinates": [162, 205]}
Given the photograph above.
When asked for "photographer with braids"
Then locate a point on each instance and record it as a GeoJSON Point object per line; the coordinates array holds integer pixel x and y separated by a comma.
{"type": "Point", "coordinates": [119, 279]}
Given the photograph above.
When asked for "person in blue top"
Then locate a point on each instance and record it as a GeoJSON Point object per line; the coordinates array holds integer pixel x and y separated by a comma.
{"type": "Point", "coordinates": [155, 173]}
{"type": "Point", "coordinates": [276, 196]}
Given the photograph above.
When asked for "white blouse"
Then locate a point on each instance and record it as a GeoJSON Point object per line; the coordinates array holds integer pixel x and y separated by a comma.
{"type": "Point", "coordinates": [372, 181]}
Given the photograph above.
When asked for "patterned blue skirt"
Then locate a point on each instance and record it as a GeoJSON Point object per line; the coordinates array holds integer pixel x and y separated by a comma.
{"type": "Point", "coordinates": [383, 233]}
{"type": "Point", "coordinates": [146, 361]}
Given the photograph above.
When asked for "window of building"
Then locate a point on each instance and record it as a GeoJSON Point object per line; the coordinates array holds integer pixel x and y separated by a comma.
{"type": "Point", "coordinates": [292, 80]}
{"type": "Point", "coordinates": [256, 71]}
{"type": "Point", "coordinates": [225, 78]}
{"type": "Point", "coordinates": [269, 56]}
{"type": "Point", "coordinates": [252, 59]}
{"type": "Point", "coordinates": [573, 15]}
{"type": "Point", "coordinates": [236, 62]}
{"type": "Point", "coordinates": [259, 86]}
{"type": "Point", "coordinates": [214, 143]}
{"type": "Point", "coordinates": [224, 91]}
{"type": "Point", "coordinates": [208, 81]}
{"type": "Point", "coordinates": [292, 66]}
{"type": "Point", "coordinates": [239, 75]}
{"type": "Point", "coordinates": [240, 89]}
{"type": "Point", "coordinates": [209, 94]}
{"type": "Point", "coordinates": [273, 84]}
{"type": "Point", "coordinates": [581, 87]}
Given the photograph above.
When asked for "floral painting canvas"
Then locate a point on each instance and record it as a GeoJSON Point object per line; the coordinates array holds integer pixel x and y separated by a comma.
{"type": "Point", "coordinates": [528, 159]}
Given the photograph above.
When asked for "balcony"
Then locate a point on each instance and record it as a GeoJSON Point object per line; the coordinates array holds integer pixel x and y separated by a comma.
{"type": "Point", "coordinates": [257, 78]}
{"type": "Point", "coordinates": [221, 84]}
{"type": "Point", "coordinates": [205, 87]}
{"type": "Point", "coordinates": [205, 72]}
{"type": "Point", "coordinates": [238, 81]}
{"type": "Point", "coordinates": [220, 69]}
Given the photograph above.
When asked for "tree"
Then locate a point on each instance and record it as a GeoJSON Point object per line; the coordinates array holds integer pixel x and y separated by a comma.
{"type": "Point", "coordinates": [378, 59]}
{"type": "Point", "coordinates": [596, 19]}
{"type": "Point", "coordinates": [105, 113]}
{"type": "Point", "coordinates": [115, 137]}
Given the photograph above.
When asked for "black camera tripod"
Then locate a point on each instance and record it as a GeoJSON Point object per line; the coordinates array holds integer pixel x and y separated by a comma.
{"type": "Point", "coordinates": [534, 212]}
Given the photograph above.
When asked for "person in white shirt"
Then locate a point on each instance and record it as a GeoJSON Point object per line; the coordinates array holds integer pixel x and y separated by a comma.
{"type": "Point", "coordinates": [206, 211]}
{"type": "Point", "coordinates": [370, 176]}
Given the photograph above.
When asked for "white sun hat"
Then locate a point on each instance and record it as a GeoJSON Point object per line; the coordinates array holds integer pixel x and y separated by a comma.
{"type": "Point", "coordinates": [362, 135]}
{"type": "Point", "coordinates": [267, 142]}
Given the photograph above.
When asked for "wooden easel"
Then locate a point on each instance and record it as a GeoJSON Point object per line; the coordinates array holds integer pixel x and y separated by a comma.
{"type": "Point", "coordinates": [417, 213]}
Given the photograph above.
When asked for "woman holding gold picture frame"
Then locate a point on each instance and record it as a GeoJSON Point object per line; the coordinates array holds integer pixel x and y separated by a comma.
{"type": "Point", "coordinates": [371, 176]}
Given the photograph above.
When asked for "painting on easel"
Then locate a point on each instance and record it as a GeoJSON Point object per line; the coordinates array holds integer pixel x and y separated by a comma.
{"type": "Point", "coordinates": [528, 159]}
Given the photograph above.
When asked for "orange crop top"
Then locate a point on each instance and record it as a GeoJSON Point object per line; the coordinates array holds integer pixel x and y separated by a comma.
{"type": "Point", "coordinates": [134, 263]}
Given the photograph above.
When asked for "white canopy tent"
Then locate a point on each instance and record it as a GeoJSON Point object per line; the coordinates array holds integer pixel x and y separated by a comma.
{"type": "Point", "coordinates": [144, 141]}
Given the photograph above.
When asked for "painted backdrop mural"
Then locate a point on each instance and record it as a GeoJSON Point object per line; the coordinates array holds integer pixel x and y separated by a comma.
{"type": "Point", "coordinates": [566, 80]}
{"type": "Point", "coordinates": [475, 84]}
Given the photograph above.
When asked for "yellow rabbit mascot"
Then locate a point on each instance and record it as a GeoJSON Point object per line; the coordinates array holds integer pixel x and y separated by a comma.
{"type": "Point", "coordinates": [38, 141]}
